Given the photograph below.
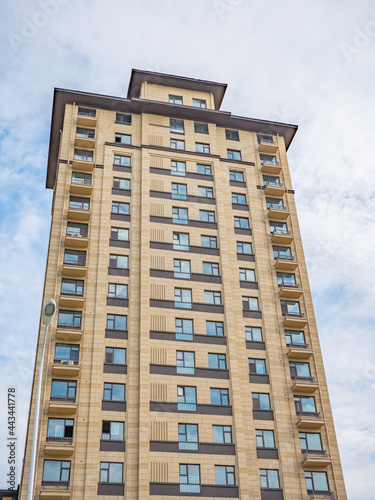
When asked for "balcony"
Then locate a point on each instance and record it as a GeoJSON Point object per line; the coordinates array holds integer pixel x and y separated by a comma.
{"type": "Point", "coordinates": [309, 420]}
{"type": "Point", "coordinates": [274, 189]}
{"type": "Point", "coordinates": [265, 146]}
{"type": "Point", "coordinates": [74, 270]}
{"type": "Point", "coordinates": [84, 142]}
{"type": "Point", "coordinates": [276, 213]}
{"type": "Point", "coordinates": [289, 291]}
{"type": "Point", "coordinates": [65, 368]}
{"type": "Point", "coordinates": [285, 264]}
{"type": "Point", "coordinates": [62, 406]}
{"type": "Point", "coordinates": [321, 495]}
{"type": "Point", "coordinates": [305, 385]}
{"type": "Point", "coordinates": [71, 300]}
{"type": "Point", "coordinates": [76, 241]}
{"type": "Point", "coordinates": [59, 447]}
{"type": "Point", "coordinates": [316, 458]}
{"type": "Point", "coordinates": [83, 165]}
{"type": "Point", "coordinates": [271, 168]}
{"type": "Point", "coordinates": [83, 189]}
{"type": "Point", "coordinates": [296, 320]}
{"type": "Point", "coordinates": [63, 333]}
{"type": "Point", "coordinates": [299, 351]}
{"type": "Point", "coordinates": [58, 494]}
{"type": "Point", "coordinates": [78, 214]}
{"type": "Point", "coordinates": [283, 237]}
{"type": "Point", "coordinates": [86, 120]}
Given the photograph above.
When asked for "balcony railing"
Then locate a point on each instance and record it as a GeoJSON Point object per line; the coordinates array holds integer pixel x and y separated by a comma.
{"type": "Point", "coordinates": [294, 314]}
{"type": "Point", "coordinates": [81, 261]}
{"type": "Point", "coordinates": [275, 206]}
{"type": "Point", "coordinates": [86, 182]}
{"type": "Point", "coordinates": [55, 439]}
{"type": "Point", "coordinates": [298, 346]}
{"type": "Point", "coordinates": [280, 230]}
{"type": "Point", "coordinates": [273, 184]}
{"type": "Point", "coordinates": [69, 326]}
{"type": "Point", "coordinates": [289, 285]}
{"type": "Point", "coordinates": [320, 453]}
{"type": "Point", "coordinates": [284, 257]}
{"type": "Point", "coordinates": [308, 414]}
{"type": "Point", "coordinates": [303, 379]}
{"type": "Point", "coordinates": [55, 485]}
{"type": "Point", "coordinates": [66, 399]}
{"type": "Point", "coordinates": [66, 361]}
{"type": "Point", "coordinates": [71, 294]}
{"type": "Point", "coordinates": [83, 233]}
{"type": "Point", "coordinates": [321, 494]}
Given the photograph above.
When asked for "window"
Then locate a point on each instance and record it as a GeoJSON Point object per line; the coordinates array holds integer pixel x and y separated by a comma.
{"type": "Point", "coordinates": [211, 268]}
{"type": "Point", "coordinates": [180, 215]}
{"type": "Point", "coordinates": [87, 133]}
{"type": "Point", "coordinates": [200, 147]}
{"type": "Point", "coordinates": [72, 287]}
{"type": "Point", "coordinates": [199, 103]}
{"type": "Point", "coordinates": [241, 223]}
{"type": "Point", "coordinates": [120, 234]}
{"type": "Point", "coordinates": [123, 138]}
{"type": "Point", "coordinates": [222, 434]}
{"type": "Point", "coordinates": [87, 112]}
{"type": "Point", "coordinates": [111, 472]}
{"type": "Point", "coordinates": [112, 431]}
{"type": "Point", "coordinates": [60, 429]}
{"type": "Point", "coordinates": [265, 439]}
{"type": "Point", "coordinates": [253, 334]}
{"type": "Point", "coordinates": [116, 322]}
{"type": "Point", "coordinates": [117, 291]}
{"type": "Point", "coordinates": [276, 203]}
{"type": "Point", "coordinates": [177, 144]}
{"type": "Point", "coordinates": [75, 257]}
{"type": "Point", "coordinates": [175, 99]}
{"type": "Point", "coordinates": [179, 191]}
{"type": "Point", "coordinates": [294, 338]}
{"type": "Point", "coordinates": [282, 253]}
{"type": "Point", "coordinates": [115, 356]}
{"type": "Point", "coordinates": [121, 183]}
{"type": "Point", "coordinates": [83, 154]}
{"type": "Point", "coordinates": [212, 297]}
{"type": "Point", "coordinates": [183, 298]}
{"type": "Point", "coordinates": [178, 168]}
{"type": "Point", "coordinates": [119, 261]}
{"type": "Point", "coordinates": [236, 176]}
{"type": "Point", "coordinates": [122, 118]}
{"type": "Point", "coordinates": [250, 303]}
{"type": "Point", "coordinates": [257, 366]}
{"type": "Point", "coordinates": [310, 441]}
{"type": "Point", "coordinates": [206, 216]}
{"type": "Point", "coordinates": [239, 199]}
{"type": "Point", "coordinates": [78, 203]}
{"type": "Point", "coordinates": [219, 396]}
{"type": "Point", "coordinates": [304, 404]}
{"type": "Point", "coordinates": [268, 159]}
{"type": "Point", "coordinates": [232, 135]}
{"type": "Point", "coordinates": [77, 229]}
{"type": "Point", "coordinates": [186, 398]}
{"type": "Point", "coordinates": [269, 478]}
{"type": "Point", "coordinates": [224, 475]}
{"type": "Point", "coordinates": [114, 392]}
{"type": "Point", "coordinates": [201, 128]}
{"type": "Point", "coordinates": [299, 370]}
{"type": "Point", "coordinates": [185, 362]}
{"type": "Point", "coordinates": [217, 361]}
{"type": "Point", "coordinates": [204, 169]}
{"type": "Point", "coordinates": [69, 319]}
{"type": "Point", "coordinates": [278, 227]}
{"type": "Point", "coordinates": [244, 248]}
{"type": "Point", "coordinates": [316, 481]}
{"type": "Point", "coordinates": [123, 161]}
{"type": "Point", "coordinates": [286, 279]}
{"type": "Point", "coordinates": [63, 390]}
{"type": "Point", "coordinates": [176, 126]}
{"type": "Point", "coordinates": [215, 328]}
{"type": "Point", "coordinates": [79, 178]}
{"type": "Point", "coordinates": [120, 208]}
{"type": "Point", "coordinates": [56, 471]}
{"type": "Point", "coordinates": [187, 436]}
{"type": "Point", "coordinates": [265, 138]}
{"type": "Point", "coordinates": [184, 329]}
{"type": "Point", "coordinates": [182, 268]}
{"type": "Point", "coordinates": [66, 352]}
{"type": "Point", "coordinates": [205, 192]}
{"type": "Point", "coordinates": [247, 275]}
{"type": "Point", "coordinates": [290, 308]}
{"type": "Point", "coordinates": [209, 241]}
{"type": "Point", "coordinates": [181, 241]}
{"type": "Point", "coordinates": [233, 155]}
{"type": "Point", "coordinates": [271, 180]}
{"type": "Point", "coordinates": [261, 401]}
{"type": "Point", "coordinates": [190, 478]}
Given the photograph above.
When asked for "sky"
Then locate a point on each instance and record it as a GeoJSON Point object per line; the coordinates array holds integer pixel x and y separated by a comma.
{"type": "Point", "coordinates": [307, 63]}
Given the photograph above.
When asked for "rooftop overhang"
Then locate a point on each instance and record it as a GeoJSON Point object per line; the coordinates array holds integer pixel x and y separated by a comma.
{"type": "Point", "coordinates": [181, 82]}
{"type": "Point", "coordinates": [134, 105]}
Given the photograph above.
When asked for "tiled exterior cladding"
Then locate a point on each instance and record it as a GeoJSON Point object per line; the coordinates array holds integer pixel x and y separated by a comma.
{"type": "Point", "coordinates": [177, 325]}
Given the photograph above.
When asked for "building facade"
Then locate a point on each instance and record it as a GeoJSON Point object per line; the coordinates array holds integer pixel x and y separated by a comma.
{"type": "Point", "coordinates": [183, 360]}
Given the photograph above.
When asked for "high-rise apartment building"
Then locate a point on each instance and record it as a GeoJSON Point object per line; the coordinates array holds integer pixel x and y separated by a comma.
{"type": "Point", "coordinates": [184, 359]}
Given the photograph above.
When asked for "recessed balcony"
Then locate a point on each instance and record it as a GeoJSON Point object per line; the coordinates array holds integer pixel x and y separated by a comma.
{"type": "Point", "coordinates": [83, 165]}
{"type": "Point", "coordinates": [310, 420]}
{"type": "Point", "coordinates": [65, 368]}
{"type": "Point", "coordinates": [267, 146]}
{"type": "Point", "coordinates": [290, 291]}
{"type": "Point", "coordinates": [299, 351]}
{"type": "Point", "coordinates": [278, 213]}
{"type": "Point", "coordinates": [274, 189]}
{"type": "Point", "coordinates": [76, 214]}
{"type": "Point", "coordinates": [271, 168]}
{"type": "Point", "coordinates": [63, 407]}
{"type": "Point", "coordinates": [294, 321]}
{"type": "Point", "coordinates": [305, 385]}
{"type": "Point", "coordinates": [282, 237]}
{"type": "Point", "coordinates": [68, 334]}
{"type": "Point", "coordinates": [84, 142]}
{"type": "Point", "coordinates": [84, 189]}
{"type": "Point", "coordinates": [316, 458]}
{"type": "Point", "coordinates": [286, 264]}
{"type": "Point", "coordinates": [73, 271]}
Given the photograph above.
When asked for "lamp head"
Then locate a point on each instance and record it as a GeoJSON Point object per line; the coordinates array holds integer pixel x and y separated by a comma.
{"type": "Point", "coordinates": [49, 309]}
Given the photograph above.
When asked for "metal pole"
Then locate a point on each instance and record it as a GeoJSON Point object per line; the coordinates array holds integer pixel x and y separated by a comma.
{"type": "Point", "coordinates": [36, 422]}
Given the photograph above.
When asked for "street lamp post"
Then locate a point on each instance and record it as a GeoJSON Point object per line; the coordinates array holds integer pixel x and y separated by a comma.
{"type": "Point", "coordinates": [49, 309]}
